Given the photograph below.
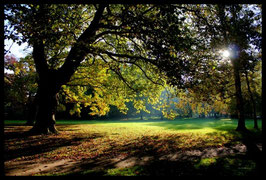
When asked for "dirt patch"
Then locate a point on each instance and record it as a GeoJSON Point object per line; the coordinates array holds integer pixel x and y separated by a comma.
{"type": "Point", "coordinates": [206, 153]}
{"type": "Point", "coordinates": [28, 168]}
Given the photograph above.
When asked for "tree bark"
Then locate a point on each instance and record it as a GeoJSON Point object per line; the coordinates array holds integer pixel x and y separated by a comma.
{"type": "Point", "coordinates": [46, 105]}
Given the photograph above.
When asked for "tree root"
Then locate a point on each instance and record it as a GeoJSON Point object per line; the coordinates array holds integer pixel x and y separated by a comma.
{"type": "Point", "coordinates": [43, 130]}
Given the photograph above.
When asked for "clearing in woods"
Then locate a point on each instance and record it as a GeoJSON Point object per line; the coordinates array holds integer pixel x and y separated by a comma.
{"type": "Point", "coordinates": [133, 147]}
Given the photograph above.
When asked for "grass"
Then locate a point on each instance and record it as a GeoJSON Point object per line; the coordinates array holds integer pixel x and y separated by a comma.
{"type": "Point", "coordinates": [182, 125]}
{"type": "Point", "coordinates": [101, 141]}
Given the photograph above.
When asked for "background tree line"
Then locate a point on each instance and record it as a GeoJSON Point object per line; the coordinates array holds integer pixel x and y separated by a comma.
{"type": "Point", "coordinates": [21, 87]}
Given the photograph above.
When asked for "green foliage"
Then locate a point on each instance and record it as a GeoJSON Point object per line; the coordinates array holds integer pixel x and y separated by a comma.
{"type": "Point", "coordinates": [221, 27]}
{"type": "Point", "coordinates": [97, 87]}
{"type": "Point", "coordinates": [20, 85]}
{"type": "Point", "coordinates": [58, 28]}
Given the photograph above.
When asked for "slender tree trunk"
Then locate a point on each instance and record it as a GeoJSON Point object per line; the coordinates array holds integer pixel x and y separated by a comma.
{"type": "Point", "coordinates": [161, 116]}
{"type": "Point", "coordinates": [253, 102]}
{"type": "Point", "coordinates": [31, 116]}
{"type": "Point", "coordinates": [239, 99]}
{"type": "Point", "coordinates": [234, 59]}
{"type": "Point", "coordinates": [141, 115]}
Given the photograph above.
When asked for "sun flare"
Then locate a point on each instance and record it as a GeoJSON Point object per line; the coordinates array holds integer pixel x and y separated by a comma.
{"type": "Point", "coordinates": [225, 53]}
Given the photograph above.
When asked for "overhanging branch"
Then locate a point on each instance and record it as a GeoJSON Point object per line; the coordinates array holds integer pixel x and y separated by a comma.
{"type": "Point", "coordinates": [152, 61]}
{"type": "Point", "coordinates": [120, 75]}
{"type": "Point", "coordinates": [134, 63]}
{"type": "Point", "coordinates": [81, 48]}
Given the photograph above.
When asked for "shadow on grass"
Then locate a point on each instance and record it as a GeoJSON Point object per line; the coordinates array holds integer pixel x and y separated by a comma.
{"type": "Point", "coordinates": [238, 164]}
{"type": "Point", "coordinates": [232, 165]}
{"type": "Point", "coordinates": [19, 143]}
{"type": "Point", "coordinates": [145, 159]}
{"type": "Point", "coordinates": [146, 147]}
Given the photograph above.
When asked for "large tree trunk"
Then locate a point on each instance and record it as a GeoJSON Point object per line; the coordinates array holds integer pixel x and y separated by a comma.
{"type": "Point", "coordinates": [48, 87]}
{"type": "Point", "coordinates": [45, 109]}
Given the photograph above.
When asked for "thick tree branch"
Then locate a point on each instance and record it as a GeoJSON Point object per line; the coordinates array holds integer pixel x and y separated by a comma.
{"type": "Point", "coordinates": [81, 47]}
{"type": "Point", "coordinates": [39, 58]}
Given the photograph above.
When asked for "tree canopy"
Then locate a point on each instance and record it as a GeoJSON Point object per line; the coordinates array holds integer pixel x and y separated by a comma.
{"type": "Point", "coordinates": [110, 54]}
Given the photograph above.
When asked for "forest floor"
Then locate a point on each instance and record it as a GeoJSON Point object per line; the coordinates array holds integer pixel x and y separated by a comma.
{"type": "Point", "coordinates": [119, 148]}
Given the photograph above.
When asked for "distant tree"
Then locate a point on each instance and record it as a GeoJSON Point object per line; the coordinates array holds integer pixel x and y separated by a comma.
{"type": "Point", "coordinates": [239, 31]}
{"type": "Point", "coordinates": [20, 85]}
{"type": "Point", "coordinates": [252, 76]}
{"type": "Point", "coordinates": [233, 27]}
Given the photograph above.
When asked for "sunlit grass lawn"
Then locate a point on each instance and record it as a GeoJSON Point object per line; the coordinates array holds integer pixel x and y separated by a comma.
{"type": "Point", "coordinates": [181, 125]}
{"type": "Point", "coordinates": [95, 139]}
